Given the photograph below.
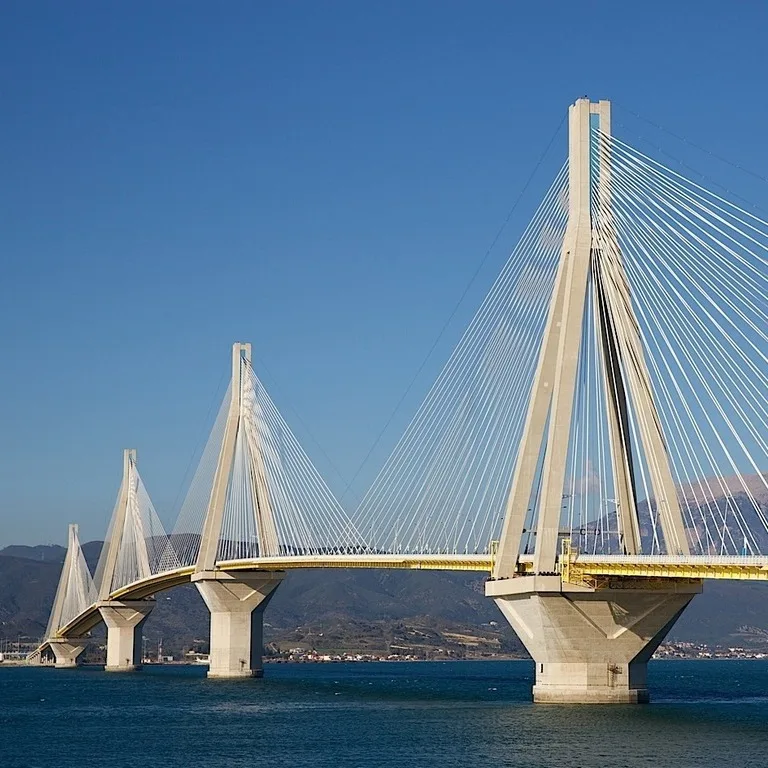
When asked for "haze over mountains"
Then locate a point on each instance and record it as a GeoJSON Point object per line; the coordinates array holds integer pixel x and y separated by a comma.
{"type": "Point", "coordinates": [362, 610]}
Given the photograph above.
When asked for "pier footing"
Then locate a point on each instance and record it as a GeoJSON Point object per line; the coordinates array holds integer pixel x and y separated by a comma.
{"type": "Point", "coordinates": [236, 602]}
{"type": "Point", "coordinates": [591, 646]}
{"type": "Point", "coordinates": [125, 621]}
{"type": "Point", "coordinates": [66, 652]}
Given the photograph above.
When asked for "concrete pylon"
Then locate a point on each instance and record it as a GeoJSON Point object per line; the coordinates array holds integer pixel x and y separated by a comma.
{"type": "Point", "coordinates": [71, 582]}
{"type": "Point", "coordinates": [236, 602]}
{"type": "Point", "coordinates": [74, 592]}
{"type": "Point", "coordinates": [125, 621]}
{"type": "Point", "coordinates": [239, 426]}
{"type": "Point", "coordinates": [125, 513]}
{"type": "Point", "coordinates": [235, 599]}
{"type": "Point", "coordinates": [66, 652]}
{"type": "Point", "coordinates": [590, 642]}
{"type": "Point", "coordinates": [550, 411]}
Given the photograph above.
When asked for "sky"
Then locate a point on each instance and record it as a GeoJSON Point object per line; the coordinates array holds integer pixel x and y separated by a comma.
{"type": "Point", "coordinates": [324, 180]}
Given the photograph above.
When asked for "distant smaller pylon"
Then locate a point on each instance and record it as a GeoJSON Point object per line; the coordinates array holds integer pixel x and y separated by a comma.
{"type": "Point", "coordinates": [76, 589]}
{"type": "Point", "coordinates": [74, 594]}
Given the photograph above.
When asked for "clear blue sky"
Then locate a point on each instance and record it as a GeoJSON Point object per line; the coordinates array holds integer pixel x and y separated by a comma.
{"type": "Point", "coordinates": [321, 179]}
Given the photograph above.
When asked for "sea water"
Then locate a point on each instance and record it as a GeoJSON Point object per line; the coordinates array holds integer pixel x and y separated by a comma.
{"type": "Point", "coordinates": [705, 714]}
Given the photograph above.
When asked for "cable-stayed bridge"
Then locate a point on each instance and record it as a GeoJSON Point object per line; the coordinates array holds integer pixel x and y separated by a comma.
{"type": "Point", "coordinates": [596, 443]}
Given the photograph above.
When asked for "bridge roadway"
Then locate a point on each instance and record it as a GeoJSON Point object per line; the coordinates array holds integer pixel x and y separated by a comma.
{"type": "Point", "coordinates": [592, 571]}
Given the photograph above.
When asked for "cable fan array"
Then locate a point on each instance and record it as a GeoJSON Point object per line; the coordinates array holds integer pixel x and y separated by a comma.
{"type": "Point", "coordinates": [443, 488]}
{"type": "Point", "coordinates": [277, 503]}
{"type": "Point", "coordinates": [698, 271]}
{"type": "Point", "coordinates": [76, 590]}
{"type": "Point", "coordinates": [185, 538]}
{"type": "Point", "coordinates": [142, 545]}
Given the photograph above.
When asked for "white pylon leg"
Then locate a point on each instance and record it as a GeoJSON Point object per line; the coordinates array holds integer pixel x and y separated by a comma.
{"type": "Point", "coordinates": [613, 382]}
{"type": "Point", "coordinates": [576, 246]}
{"type": "Point", "coordinates": [533, 432]}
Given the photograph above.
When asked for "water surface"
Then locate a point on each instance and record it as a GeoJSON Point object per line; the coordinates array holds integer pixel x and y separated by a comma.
{"type": "Point", "coordinates": [706, 714]}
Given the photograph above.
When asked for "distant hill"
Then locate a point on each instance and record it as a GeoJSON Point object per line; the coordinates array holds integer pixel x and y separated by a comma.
{"type": "Point", "coordinates": [27, 587]}
{"type": "Point", "coordinates": [362, 609]}
{"type": "Point", "coordinates": [45, 553]}
{"type": "Point", "coordinates": [328, 610]}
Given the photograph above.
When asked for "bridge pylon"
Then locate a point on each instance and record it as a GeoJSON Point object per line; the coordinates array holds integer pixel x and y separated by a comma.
{"type": "Point", "coordinates": [237, 599]}
{"type": "Point", "coordinates": [74, 592]}
{"type": "Point", "coordinates": [125, 542]}
{"type": "Point", "coordinates": [590, 644]}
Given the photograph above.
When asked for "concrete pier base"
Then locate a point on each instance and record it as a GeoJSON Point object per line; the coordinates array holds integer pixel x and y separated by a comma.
{"type": "Point", "coordinates": [236, 602]}
{"type": "Point", "coordinates": [125, 621]}
{"type": "Point", "coordinates": [66, 653]}
{"type": "Point", "coordinates": [591, 646]}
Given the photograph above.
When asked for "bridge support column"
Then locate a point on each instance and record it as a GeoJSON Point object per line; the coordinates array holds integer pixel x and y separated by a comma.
{"type": "Point", "coordinates": [125, 621]}
{"type": "Point", "coordinates": [236, 602]}
{"type": "Point", "coordinates": [591, 646]}
{"type": "Point", "coordinates": [66, 652]}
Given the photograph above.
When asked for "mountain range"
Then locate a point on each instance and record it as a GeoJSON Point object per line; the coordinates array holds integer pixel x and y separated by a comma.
{"type": "Point", "coordinates": [377, 611]}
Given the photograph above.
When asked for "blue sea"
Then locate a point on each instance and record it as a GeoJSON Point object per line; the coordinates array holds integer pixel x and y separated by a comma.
{"type": "Point", "coordinates": [705, 714]}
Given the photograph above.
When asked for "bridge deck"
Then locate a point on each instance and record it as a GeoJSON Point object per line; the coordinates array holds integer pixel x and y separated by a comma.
{"type": "Point", "coordinates": [651, 566]}
{"type": "Point", "coordinates": [579, 569]}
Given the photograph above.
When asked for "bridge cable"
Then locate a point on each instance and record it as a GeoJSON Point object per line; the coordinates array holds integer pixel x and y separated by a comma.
{"type": "Point", "coordinates": [458, 304]}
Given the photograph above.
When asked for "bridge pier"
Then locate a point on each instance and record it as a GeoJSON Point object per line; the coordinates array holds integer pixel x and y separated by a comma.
{"type": "Point", "coordinates": [591, 646]}
{"type": "Point", "coordinates": [125, 622]}
{"type": "Point", "coordinates": [236, 602]}
{"type": "Point", "coordinates": [66, 652]}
